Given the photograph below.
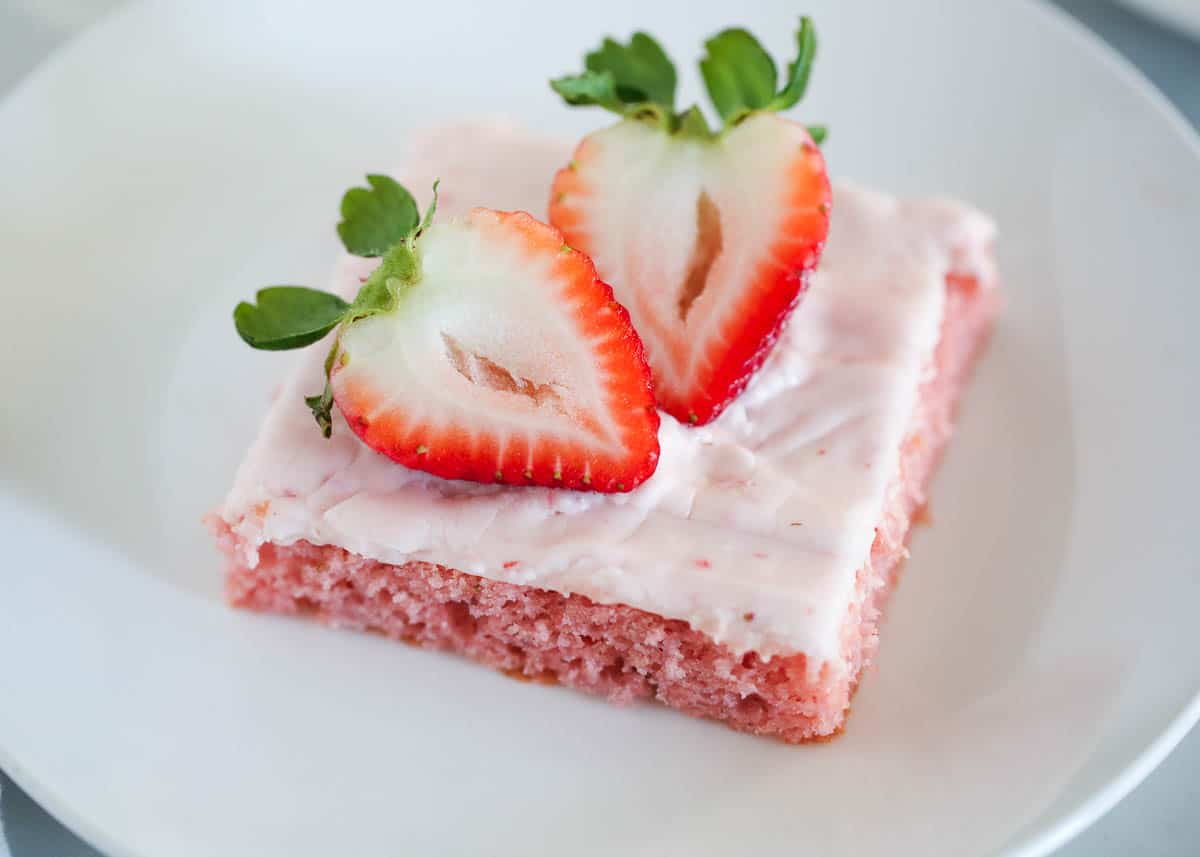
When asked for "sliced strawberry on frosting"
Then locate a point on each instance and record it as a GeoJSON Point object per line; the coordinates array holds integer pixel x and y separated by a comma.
{"type": "Point", "coordinates": [708, 238]}
{"type": "Point", "coordinates": [483, 349]}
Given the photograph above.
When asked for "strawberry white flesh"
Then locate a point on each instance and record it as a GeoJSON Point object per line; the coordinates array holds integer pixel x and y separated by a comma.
{"type": "Point", "coordinates": [508, 361]}
{"type": "Point", "coordinates": [707, 242]}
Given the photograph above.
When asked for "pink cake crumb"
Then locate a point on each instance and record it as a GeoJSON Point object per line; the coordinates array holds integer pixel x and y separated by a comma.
{"type": "Point", "coordinates": [619, 652]}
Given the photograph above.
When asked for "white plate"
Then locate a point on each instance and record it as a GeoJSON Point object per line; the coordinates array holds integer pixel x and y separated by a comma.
{"type": "Point", "coordinates": [1039, 656]}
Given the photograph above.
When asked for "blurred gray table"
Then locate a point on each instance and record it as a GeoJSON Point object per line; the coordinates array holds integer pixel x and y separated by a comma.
{"type": "Point", "coordinates": [1158, 819]}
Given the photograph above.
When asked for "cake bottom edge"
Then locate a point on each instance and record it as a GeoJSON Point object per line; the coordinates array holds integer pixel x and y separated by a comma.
{"type": "Point", "coordinates": [617, 651]}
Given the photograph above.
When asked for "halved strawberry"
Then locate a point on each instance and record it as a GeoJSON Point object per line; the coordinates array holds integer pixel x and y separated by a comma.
{"type": "Point", "coordinates": [483, 349]}
{"type": "Point", "coordinates": [707, 238]}
{"type": "Point", "coordinates": [509, 361]}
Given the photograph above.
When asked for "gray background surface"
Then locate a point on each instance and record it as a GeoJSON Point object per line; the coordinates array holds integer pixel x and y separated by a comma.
{"type": "Point", "coordinates": [1159, 818]}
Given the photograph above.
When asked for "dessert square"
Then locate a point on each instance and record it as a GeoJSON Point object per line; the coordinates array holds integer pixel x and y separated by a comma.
{"type": "Point", "coordinates": [745, 580]}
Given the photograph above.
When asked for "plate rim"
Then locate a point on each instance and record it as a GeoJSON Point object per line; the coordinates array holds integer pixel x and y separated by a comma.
{"type": "Point", "coordinates": [1074, 821]}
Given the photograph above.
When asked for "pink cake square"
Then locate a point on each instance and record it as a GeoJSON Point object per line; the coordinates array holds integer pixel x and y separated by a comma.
{"type": "Point", "coordinates": [745, 580]}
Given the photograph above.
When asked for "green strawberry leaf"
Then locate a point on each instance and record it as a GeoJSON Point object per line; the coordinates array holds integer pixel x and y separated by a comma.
{"type": "Point", "coordinates": [374, 219]}
{"type": "Point", "coordinates": [398, 268]}
{"type": "Point", "coordinates": [322, 409]}
{"type": "Point", "coordinates": [380, 293]}
{"type": "Point", "coordinates": [432, 210]}
{"type": "Point", "coordinates": [380, 221]}
{"type": "Point", "coordinates": [799, 69]}
{"type": "Point", "coordinates": [819, 133]}
{"type": "Point", "coordinates": [286, 317]}
{"type": "Point", "coordinates": [322, 405]}
{"type": "Point", "coordinates": [693, 124]}
{"type": "Point", "coordinates": [581, 90]}
{"type": "Point", "coordinates": [635, 80]}
{"type": "Point", "coordinates": [641, 70]}
{"type": "Point", "coordinates": [738, 73]}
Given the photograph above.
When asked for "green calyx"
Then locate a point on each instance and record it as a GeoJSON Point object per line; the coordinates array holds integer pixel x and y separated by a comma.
{"type": "Point", "coordinates": [637, 81]}
{"type": "Point", "coordinates": [382, 221]}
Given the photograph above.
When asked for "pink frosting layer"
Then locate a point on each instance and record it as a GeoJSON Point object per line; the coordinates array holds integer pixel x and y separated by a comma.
{"type": "Point", "coordinates": [768, 513]}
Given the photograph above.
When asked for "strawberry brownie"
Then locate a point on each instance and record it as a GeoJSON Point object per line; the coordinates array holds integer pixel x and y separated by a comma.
{"type": "Point", "coordinates": [744, 579]}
